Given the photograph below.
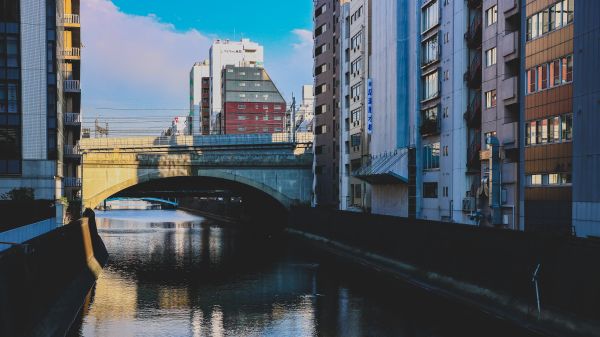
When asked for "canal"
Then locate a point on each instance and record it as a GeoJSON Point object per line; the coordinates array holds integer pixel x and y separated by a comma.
{"type": "Point", "coordinates": [171, 273]}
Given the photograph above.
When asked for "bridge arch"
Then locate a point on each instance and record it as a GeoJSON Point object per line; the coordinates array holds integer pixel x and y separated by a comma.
{"type": "Point", "coordinates": [100, 196]}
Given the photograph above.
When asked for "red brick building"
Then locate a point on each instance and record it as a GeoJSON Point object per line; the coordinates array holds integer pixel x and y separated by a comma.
{"type": "Point", "coordinates": [251, 102]}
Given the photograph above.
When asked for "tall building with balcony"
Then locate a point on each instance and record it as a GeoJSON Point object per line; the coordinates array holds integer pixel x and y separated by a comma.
{"type": "Point", "coordinates": [32, 121]}
{"type": "Point", "coordinates": [326, 58]}
{"type": "Point", "coordinates": [200, 98]}
{"type": "Point", "coordinates": [244, 53]}
{"type": "Point", "coordinates": [251, 102]}
{"type": "Point", "coordinates": [71, 68]}
{"type": "Point", "coordinates": [547, 111]}
{"type": "Point", "coordinates": [498, 196]}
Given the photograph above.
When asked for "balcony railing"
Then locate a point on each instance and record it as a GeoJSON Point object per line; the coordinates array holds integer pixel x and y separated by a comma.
{"type": "Point", "coordinates": [473, 35]}
{"type": "Point", "coordinates": [73, 52]}
{"type": "Point", "coordinates": [72, 151]}
{"type": "Point", "coordinates": [430, 126]}
{"type": "Point", "coordinates": [72, 118]}
{"type": "Point", "coordinates": [71, 19]}
{"type": "Point", "coordinates": [473, 74]}
{"type": "Point", "coordinates": [72, 86]}
{"type": "Point", "coordinates": [473, 151]}
{"type": "Point", "coordinates": [72, 182]}
{"type": "Point", "coordinates": [473, 113]}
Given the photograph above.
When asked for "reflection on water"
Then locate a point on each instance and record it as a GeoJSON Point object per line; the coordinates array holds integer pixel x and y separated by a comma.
{"type": "Point", "coordinates": [174, 274]}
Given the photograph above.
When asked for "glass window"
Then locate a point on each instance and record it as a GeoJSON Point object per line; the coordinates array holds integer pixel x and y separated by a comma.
{"type": "Point", "coordinates": [431, 156]}
{"type": "Point", "coordinates": [536, 179]}
{"type": "Point", "coordinates": [490, 57]}
{"type": "Point", "coordinates": [430, 16]}
{"type": "Point", "coordinates": [567, 127]}
{"type": "Point", "coordinates": [431, 50]}
{"type": "Point", "coordinates": [531, 81]}
{"type": "Point", "coordinates": [544, 22]}
{"type": "Point", "coordinates": [553, 179]}
{"type": "Point", "coordinates": [490, 99]}
{"type": "Point", "coordinates": [565, 12]}
{"type": "Point", "coordinates": [491, 15]}
{"type": "Point", "coordinates": [555, 72]}
{"type": "Point", "coordinates": [431, 85]}
{"type": "Point", "coordinates": [570, 10]}
{"type": "Point", "coordinates": [544, 129]}
{"type": "Point", "coordinates": [534, 27]}
{"type": "Point", "coordinates": [527, 134]}
{"type": "Point", "coordinates": [543, 69]}
{"type": "Point", "coordinates": [569, 72]}
{"type": "Point", "coordinates": [552, 18]}
{"type": "Point", "coordinates": [533, 128]}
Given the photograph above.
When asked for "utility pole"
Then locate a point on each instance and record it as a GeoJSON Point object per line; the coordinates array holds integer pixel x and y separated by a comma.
{"type": "Point", "coordinates": [293, 121]}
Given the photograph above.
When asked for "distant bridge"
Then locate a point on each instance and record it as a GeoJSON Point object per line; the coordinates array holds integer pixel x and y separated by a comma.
{"type": "Point", "coordinates": [258, 165]}
{"type": "Point", "coordinates": [162, 201]}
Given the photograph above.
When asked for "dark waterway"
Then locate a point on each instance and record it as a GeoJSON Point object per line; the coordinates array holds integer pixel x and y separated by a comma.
{"type": "Point", "coordinates": [174, 274]}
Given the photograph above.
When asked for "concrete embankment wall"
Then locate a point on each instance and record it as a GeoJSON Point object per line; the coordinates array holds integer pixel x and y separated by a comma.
{"type": "Point", "coordinates": [488, 268]}
{"type": "Point", "coordinates": [37, 276]}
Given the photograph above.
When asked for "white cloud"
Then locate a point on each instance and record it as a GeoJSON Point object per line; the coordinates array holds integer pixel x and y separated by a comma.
{"type": "Point", "coordinates": [306, 39]}
{"type": "Point", "coordinates": [135, 61]}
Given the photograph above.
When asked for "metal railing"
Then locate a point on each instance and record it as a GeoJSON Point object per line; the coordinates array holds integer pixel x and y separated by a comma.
{"type": "Point", "coordinates": [70, 150]}
{"type": "Point", "coordinates": [194, 141]}
{"type": "Point", "coordinates": [72, 86]}
{"type": "Point", "coordinates": [71, 19]}
{"type": "Point", "coordinates": [72, 118]}
{"type": "Point", "coordinates": [72, 52]}
{"type": "Point", "coordinates": [72, 182]}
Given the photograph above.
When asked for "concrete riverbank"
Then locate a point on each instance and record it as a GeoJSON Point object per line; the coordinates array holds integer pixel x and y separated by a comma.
{"type": "Point", "coordinates": [491, 270]}
{"type": "Point", "coordinates": [41, 279]}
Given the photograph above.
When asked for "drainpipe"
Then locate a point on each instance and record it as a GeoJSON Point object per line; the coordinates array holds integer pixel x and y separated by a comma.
{"type": "Point", "coordinates": [493, 142]}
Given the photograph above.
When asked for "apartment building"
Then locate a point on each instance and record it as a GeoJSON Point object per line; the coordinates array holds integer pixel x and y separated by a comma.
{"type": "Point", "coordinates": [548, 115]}
{"type": "Point", "coordinates": [306, 110]}
{"type": "Point", "coordinates": [244, 53]}
{"type": "Point", "coordinates": [71, 68]}
{"type": "Point", "coordinates": [354, 151]}
{"type": "Point", "coordinates": [251, 102]}
{"type": "Point", "coordinates": [326, 40]}
{"type": "Point", "coordinates": [32, 121]}
{"type": "Point", "coordinates": [200, 98]}
{"type": "Point", "coordinates": [497, 199]}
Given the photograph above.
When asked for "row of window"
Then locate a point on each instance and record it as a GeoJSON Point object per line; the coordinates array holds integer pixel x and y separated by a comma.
{"type": "Point", "coordinates": [552, 74]}
{"type": "Point", "coordinates": [243, 84]}
{"type": "Point", "coordinates": [550, 19]}
{"type": "Point", "coordinates": [241, 73]}
{"type": "Point", "coordinates": [266, 130]}
{"type": "Point", "coordinates": [264, 118]}
{"type": "Point", "coordinates": [357, 14]}
{"type": "Point", "coordinates": [256, 106]}
{"type": "Point", "coordinates": [549, 130]}
{"type": "Point", "coordinates": [548, 179]}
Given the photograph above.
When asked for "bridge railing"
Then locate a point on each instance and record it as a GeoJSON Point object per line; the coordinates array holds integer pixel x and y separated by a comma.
{"type": "Point", "coordinates": [192, 141]}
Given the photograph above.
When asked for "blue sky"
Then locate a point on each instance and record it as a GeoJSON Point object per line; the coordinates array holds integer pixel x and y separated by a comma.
{"type": "Point", "coordinates": [137, 53]}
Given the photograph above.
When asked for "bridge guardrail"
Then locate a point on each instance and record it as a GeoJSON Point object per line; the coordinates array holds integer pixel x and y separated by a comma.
{"type": "Point", "coordinates": [189, 141]}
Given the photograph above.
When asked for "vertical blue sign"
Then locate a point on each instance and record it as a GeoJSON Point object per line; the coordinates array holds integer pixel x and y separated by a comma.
{"type": "Point", "coordinates": [369, 106]}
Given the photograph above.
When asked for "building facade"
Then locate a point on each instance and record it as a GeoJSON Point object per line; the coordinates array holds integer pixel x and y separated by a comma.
{"type": "Point", "coordinates": [200, 98]}
{"type": "Point", "coordinates": [244, 53]}
{"type": "Point", "coordinates": [547, 113]}
{"type": "Point", "coordinates": [72, 117]}
{"type": "Point", "coordinates": [306, 110]}
{"type": "Point", "coordinates": [33, 76]}
{"type": "Point", "coordinates": [251, 102]}
{"type": "Point", "coordinates": [326, 166]}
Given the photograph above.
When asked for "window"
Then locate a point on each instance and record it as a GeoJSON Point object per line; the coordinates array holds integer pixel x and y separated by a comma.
{"type": "Point", "coordinates": [265, 107]}
{"type": "Point", "coordinates": [321, 89]}
{"type": "Point", "coordinates": [357, 14]}
{"type": "Point", "coordinates": [321, 129]}
{"type": "Point", "coordinates": [551, 130]}
{"type": "Point", "coordinates": [355, 117]}
{"type": "Point", "coordinates": [491, 15]}
{"type": "Point", "coordinates": [431, 86]}
{"type": "Point", "coordinates": [241, 128]}
{"type": "Point", "coordinates": [277, 118]}
{"type": "Point", "coordinates": [430, 190]}
{"type": "Point", "coordinates": [356, 40]}
{"type": "Point", "coordinates": [355, 91]}
{"type": "Point", "coordinates": [431, 50]}
{"type": "Point", "coordinates": [536, 179]}
{"type": "Point", "coordinates": [356, 66]}
{"type": "Point", "coordinates": [277, 129]}
{"type": "Point", "coordinates": [277, 107]}
{"type": "Point", "coordinates": [321, 29]}
{"type": "Point", "coordinates": [549, 179]}
{"type": "Point", "coordinates": [550, 19]}
{"type": "Point", "coordinates": [567, 127]}
{"type": "Point", "coordinates": [321, 69]}
{"type": "Point", "coordinates": [265, 118]}
{"type": "Point", "coordinates": [355, 140]}
{"type": "Point", "coordinates": [431, 156]}
{"type": "Point", "coordinates": [321, 10]}
{"type": "Point", "coordinates": [430, 16]}
{"type": "Point", "coordinates": [321, 49]}
{"type": "Point", "coordinates": [549, 75]}
{"type": "Point", "coordinates": [241, 106]}
{"type": "Point", "coordinates": [490, 99]}
{"type": "Point", "coordinates": [490, 56]}
{"type": "Point", "coordinates": [321, 109]}
{"type": "Point", "coordinates": [242, 84]}
{"type": "Point", "coordinates": [242, 118]}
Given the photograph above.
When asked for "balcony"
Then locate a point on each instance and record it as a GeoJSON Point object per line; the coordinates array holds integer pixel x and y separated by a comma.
{"type": "Point", "coordinates": [509, 91]}
{"type": "Point", "coordinates": [72, 119]}
{"type": "Point", "coordinates": [72, 53]}
{"type": "Point", "coordinates": [510, 135]}
{"type": "Point", "coordinates": [430, 126]}
{"type": "Point", "coordinates": [473, 113]}
{"type": "Point", "coordinates": [509, 7]}
{"type": "Point", "coordinates": [71, 151]}
{"type": "Point", "coordinates": [72, 182]}
{"type": "Point", "coordinates": [473, 150]}
{"type": "Point", "coordinates": [509, 46]}
{"type": "Point", "coordinates": [72, 86]}
{"type": "Point", "coordinates": [71, 20]}
{"type": "Point", "coordinates": [473, 74]}
{"type": "Point", "coordinates": [473, 34]}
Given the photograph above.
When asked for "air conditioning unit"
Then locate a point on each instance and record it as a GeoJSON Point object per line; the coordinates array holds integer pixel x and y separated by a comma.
{"type": "Point", "coordinates": [469, 205]}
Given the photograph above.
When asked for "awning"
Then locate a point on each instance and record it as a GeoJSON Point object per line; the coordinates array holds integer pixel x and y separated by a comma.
{"type": "Point", "coordinates": [386, 168]}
